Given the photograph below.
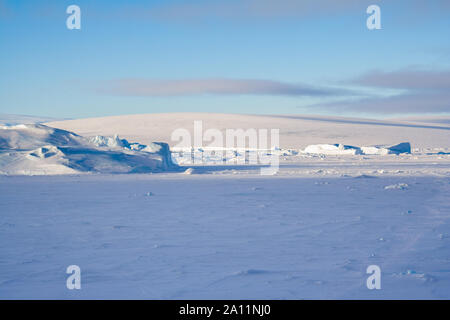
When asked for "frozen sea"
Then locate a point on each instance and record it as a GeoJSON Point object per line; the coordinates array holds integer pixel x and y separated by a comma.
{"type": "Point", "coordinates": [224, 236]}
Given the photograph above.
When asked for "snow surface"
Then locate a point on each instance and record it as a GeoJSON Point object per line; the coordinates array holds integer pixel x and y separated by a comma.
{"type": "Point", "coordinates": [176, 236]}
{"type": "Point", "coordinates": [221, 230]}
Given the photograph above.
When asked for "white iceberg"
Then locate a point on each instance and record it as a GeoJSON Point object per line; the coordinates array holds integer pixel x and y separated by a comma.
{"type": "Point", "coordinates": [332, 149]}
{"type": "Point", "coordinates": [340, 149]}
{"type": "Point", "coordinates": [40, 150]}
{"type": "Point", "coordinates": [110, 142]}
{"type": "Point", "coordinates": [404, 147]}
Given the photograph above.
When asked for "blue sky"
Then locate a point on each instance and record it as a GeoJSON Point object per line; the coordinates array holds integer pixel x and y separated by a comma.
{"type": "Point", "coordinates": [246, 56]}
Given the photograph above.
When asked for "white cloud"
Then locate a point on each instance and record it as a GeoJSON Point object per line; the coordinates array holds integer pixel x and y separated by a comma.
{"type": "Point", "coordinates": [217, 86]}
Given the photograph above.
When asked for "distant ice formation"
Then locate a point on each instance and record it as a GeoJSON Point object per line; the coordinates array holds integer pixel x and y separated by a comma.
{"type": "Point", "coordinates": [36, 149]}
{"type": "Point", "coordinates": [340, 149]}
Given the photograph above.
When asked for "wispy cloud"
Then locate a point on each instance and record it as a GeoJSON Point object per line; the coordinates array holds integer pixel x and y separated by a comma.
{"type": "Point", "coordinates": [406, 79]}
{"type": "Point", "coordinates": [425, 103]}
{"type": "Point", "coordinates": [423, 91]}
{"type": "Point", "coordinates": [212, 86]}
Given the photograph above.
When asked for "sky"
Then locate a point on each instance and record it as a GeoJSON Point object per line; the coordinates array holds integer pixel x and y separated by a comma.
{"type": "Point", "coordinates": [228, 56]}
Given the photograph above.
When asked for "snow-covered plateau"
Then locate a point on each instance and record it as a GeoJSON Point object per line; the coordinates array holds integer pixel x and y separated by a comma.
{"type": "Point", "coordinates": [107, 195]}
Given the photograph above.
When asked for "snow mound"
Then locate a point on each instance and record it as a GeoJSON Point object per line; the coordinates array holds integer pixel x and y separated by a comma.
{"type": "Point", "coordinates": [340, 149]}
{"type": "Point", "coordinates": [40, 150]}
{"type": "Point", "coordinates": [32, 136]}
{"type": "Point", "coordinates": [399, 186]}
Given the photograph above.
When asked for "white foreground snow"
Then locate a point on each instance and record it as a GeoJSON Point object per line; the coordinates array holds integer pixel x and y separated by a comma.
{"type": "Point", "coordinates": [221, 230]}
{"type": "Point", "coordinates": [176, 236]}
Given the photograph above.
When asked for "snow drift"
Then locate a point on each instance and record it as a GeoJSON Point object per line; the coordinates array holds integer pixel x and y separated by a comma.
{"type": "Point", "coordinates": [37, 149]}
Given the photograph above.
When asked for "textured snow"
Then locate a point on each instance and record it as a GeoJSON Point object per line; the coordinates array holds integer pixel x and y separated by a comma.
{"type": "Point", "coordinates": [41, 150]}
{"type": "Point", "coordinates": [176, 236]}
